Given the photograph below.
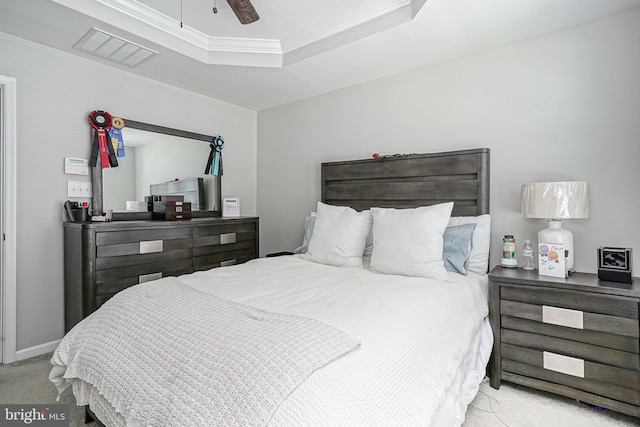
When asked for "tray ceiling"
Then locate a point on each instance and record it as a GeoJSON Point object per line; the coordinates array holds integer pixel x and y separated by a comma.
{"type": "Point", "coordinates": [296, 49]}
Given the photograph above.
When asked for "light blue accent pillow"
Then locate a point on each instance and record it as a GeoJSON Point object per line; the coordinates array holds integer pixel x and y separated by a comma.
{"type": "Point", "coordinates": [309, 223]}
{"type": "Point", "coordinates": [456, 247]}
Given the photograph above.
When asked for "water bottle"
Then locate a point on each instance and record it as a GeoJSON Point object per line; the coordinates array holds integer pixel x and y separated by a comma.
{"type": "Point", "coordinates": [527, 255]}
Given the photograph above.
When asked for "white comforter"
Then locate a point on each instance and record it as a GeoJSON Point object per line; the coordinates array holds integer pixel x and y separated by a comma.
{"type": "Point", "coordinates": [414, 333]}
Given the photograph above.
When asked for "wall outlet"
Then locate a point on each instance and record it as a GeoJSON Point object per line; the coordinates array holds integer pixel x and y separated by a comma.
{"type": "Point", "coordinates": [78, 189]}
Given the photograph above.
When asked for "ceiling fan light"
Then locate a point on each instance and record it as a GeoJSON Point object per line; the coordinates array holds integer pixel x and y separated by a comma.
{"type": "Point", "coordinates": [244, 10]}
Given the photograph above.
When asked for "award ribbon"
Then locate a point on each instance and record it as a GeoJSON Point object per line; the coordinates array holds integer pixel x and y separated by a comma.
{"type": "Point", "coordinates": [101, 121]}
{"type": "Point", "coordinates": [115, 135]}
{"type": "Point", "coordinates": [214, 163]}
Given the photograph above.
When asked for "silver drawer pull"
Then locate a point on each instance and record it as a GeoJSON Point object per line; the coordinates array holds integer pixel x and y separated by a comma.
{"type": "Point", "coordinates": [149, 277]}
{"type": "Point", "coordinates": [150, 246]}
{"type": "Point", "coordinates": [228, 262]}
{"type": "Point", "coordinates": [563, 364]}
{"type": "Point", "coordinates": [563, 317]}
{"type": "Point", "coordinates": [227, 238]}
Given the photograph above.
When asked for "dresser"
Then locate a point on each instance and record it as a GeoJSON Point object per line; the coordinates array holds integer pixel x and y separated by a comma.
{"type": "Point", "coordinates": [103, 258]}
{"type": "Point", "coordinates": [577, 337]}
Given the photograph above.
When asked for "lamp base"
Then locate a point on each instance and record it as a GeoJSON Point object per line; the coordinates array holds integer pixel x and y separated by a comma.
{"type": "Point", "coordinates": [554, 233]}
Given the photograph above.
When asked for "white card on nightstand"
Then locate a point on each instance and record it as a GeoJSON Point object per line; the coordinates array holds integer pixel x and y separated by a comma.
{"type": "Point", "coordinates": [551, 260]}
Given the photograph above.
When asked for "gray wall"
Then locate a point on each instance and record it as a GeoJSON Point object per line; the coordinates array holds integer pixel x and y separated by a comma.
{"type": "Point", "coordinates": [58, 89]}
{"type": "Point", "coordinates": [565, 106]}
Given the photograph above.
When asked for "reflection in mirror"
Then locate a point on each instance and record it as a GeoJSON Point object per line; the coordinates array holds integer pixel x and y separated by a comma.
{"type": "Point", "coordinates": [156, 155]}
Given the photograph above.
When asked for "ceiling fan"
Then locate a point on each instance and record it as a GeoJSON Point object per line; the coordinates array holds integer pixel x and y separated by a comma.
{"type": "Point", "coordinates": [244, 10]}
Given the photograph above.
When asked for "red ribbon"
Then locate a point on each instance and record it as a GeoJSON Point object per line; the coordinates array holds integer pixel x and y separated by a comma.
{"type": "Point", "coordinates": [101, 121]}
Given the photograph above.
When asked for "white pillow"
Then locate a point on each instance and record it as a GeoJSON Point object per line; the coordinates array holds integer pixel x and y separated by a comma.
{"type": "Point", "coordinates": [409, 242]}
{"type": "Point", "coordinates": [339, 236]}
{"type": "Point", "coordinates": [479, 255]}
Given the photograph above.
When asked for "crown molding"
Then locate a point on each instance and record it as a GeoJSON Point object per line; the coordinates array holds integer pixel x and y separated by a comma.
{"type": "Point", "coordinates": [350, 20]}
{"type": "Point", "coordinates": [358, 22]}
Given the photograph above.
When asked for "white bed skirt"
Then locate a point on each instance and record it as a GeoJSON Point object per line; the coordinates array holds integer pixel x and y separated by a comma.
{"type": "Point", "coordinates": [466, 383]}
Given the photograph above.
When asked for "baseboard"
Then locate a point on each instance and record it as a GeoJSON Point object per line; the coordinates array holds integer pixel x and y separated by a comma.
{"type": "Point", "coordinates": [37, 350]}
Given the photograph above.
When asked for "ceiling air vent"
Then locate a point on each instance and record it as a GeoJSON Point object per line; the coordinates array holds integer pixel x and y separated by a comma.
{"type": "Point", "coordinates": [114, 48]}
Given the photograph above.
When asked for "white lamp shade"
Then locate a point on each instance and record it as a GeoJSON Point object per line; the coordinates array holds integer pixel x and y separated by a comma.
{"type": "Point", "coordinates": [555, 200]}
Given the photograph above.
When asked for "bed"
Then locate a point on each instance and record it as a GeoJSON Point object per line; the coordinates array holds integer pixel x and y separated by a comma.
{"type": "Point", "coordinates": [364, 326]}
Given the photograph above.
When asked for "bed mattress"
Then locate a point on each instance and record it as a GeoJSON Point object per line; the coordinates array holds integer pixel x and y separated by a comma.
{"type": "Point", "coordinates": [424, 343]}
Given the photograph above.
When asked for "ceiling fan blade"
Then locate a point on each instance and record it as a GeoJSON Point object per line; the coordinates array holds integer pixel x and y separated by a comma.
{"type": "Point", "coordinates": [244, 11]}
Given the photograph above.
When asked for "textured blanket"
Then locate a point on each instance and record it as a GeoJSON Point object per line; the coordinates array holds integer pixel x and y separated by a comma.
{"type": "Point", "coordinates": [166, 354]}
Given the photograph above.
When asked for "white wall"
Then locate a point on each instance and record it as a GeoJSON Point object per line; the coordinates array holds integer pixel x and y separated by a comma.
{"type": "Point", "coordinates": [55, 93]}
{"type": "Point", "coordinates": [565, 106]}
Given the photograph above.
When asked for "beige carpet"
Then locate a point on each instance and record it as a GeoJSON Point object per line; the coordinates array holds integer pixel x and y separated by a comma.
{"type": "Point", "coordinates": [518, 406]}
{"type": "Point", "coordinates": [512, 406]}
{"type": "Point", "coordinates": [27, 381]}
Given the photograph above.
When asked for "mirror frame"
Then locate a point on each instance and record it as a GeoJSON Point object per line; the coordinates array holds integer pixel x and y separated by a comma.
{"type": "Point", "coordinates": [97, 180]}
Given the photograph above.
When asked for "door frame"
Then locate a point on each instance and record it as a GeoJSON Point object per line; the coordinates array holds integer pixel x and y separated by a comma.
{"type": "Point", "coordinates": [8, 278]}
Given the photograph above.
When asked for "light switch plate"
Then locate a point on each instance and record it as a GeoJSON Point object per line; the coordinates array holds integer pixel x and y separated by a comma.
{"type": "Point", "coordinates": [78, 189]}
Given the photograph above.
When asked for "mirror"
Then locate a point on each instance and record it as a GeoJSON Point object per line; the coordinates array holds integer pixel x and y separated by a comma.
{"type": "Point", "coordinates": [154, 154]}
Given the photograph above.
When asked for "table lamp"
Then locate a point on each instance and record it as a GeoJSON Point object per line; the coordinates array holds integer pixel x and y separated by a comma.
{"type": "Point", "coordinates": [555, 201]}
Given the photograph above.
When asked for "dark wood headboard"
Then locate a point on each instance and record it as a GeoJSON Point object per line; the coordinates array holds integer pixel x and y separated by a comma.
{"type": "Point", "coordinates": [409, 181]}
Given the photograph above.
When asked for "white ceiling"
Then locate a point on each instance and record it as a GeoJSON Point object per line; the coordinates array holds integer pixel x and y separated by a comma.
{"type": "Point", "coordinates": [297, 49]}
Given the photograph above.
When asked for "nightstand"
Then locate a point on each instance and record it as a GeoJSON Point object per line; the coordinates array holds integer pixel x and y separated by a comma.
{"type": "Point", "coordinates": [577, 337]}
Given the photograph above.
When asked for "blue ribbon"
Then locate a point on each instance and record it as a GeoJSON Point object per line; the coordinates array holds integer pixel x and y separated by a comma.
{"type": "Point", "coordinates": [116, 134]}
{"type": "Point", "coordinates": [214, 163]}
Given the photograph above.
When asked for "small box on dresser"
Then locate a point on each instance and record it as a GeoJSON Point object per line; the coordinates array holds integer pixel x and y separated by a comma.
{"type": "Point", "coordinates": [577, 336]}
{"type": "Point", "coordinates": [171, 211]}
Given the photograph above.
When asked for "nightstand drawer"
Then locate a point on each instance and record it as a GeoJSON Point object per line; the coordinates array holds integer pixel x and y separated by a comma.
{"type": "Point", "coordinates": [573, 300]}
{"type": "Point", "coordinates": [574, 319]}
{"type": "Point", "coordinates": [601, 379]}
{"type": "Point", "coordinates": [516, 321]}
{"type": "Point", "coordinates": [581, 350]}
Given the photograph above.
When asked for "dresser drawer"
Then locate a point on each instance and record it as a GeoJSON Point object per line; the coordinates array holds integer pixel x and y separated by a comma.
{"type": "Point", "coordinates": [130, 248]}
{"type": "Point", "coordinates": [111, 281]}
{"type": "Point", "coordinates": [113, 262]}
{"type": "Point", "coordinates": [136, 236]}
{"type": "Point", "coordinates": [223, 234]}
{"type": "Point", "coordinates": [135, 271]}
{"type": "Point", "coordinates": [226, 256]}
{"type": "Point", "coordinates": [142, 247]}
{"type": "Point", "coordinates": [220, 245]}
{"type": "Point", "coordinates": [131, 244]}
